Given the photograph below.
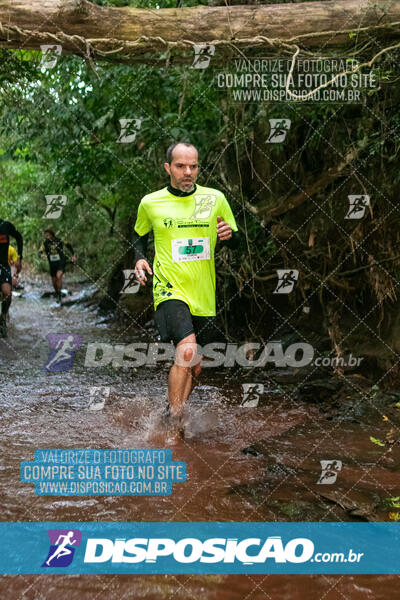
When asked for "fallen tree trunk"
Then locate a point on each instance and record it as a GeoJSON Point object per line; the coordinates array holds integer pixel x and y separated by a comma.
{"type": "Point", "coordinates": [149, 36]}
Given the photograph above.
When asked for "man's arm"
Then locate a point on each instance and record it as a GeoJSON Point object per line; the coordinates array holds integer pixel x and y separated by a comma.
{"type": "Point", "coordinates": [18, 237]}
{"type": "Point", "coordinates": [141, 265]}
{"type": "Point", "coordinates": [233, 242]}
{"type": "Point", "coordinates": [139, 243]}
{"type": "Point", "coordinates": [71, 250]}
{"type": "Point", "coordinates": [143, 224]}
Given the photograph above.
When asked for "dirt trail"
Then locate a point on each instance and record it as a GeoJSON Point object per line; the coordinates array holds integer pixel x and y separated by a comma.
{"type": "Point", "coordinates": [243, 464]}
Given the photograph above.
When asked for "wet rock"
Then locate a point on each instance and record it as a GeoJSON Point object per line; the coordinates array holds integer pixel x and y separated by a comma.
{"type": "Point", "coordinates": [50, 294]}
{"type": "Point", "coordinates": [253, 450]}
{"type": "Point", "coordinates": [363, 509]}
{"type": "Point", "coordinates": [293, 375]}
{"type": "Point", "coordinates": [279, 470]}
{"type": "Point", "coordinates": [319, 390]}
{"type": "Point", "coordinates": [83, 296]}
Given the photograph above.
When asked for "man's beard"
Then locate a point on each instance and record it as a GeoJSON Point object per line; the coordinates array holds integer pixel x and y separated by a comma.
{"type": "Point", "coordinates": [186, 186]}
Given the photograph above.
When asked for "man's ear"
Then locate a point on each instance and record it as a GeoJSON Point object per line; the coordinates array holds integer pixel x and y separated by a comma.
{"type": "Point", "coordinates": [167, 167]}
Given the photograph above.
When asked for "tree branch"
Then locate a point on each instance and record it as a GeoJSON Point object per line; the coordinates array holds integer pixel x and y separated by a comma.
{"type": "Point", "coordinates": [148, 35]}
{"type": "Point", "coordinates": [318, 186]}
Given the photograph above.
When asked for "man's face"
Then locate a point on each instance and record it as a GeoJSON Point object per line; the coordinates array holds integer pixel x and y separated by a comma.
{"type": "Point", "coordinates": [184, 167]}
{"type": "Point", "coordinates": [48, 236]}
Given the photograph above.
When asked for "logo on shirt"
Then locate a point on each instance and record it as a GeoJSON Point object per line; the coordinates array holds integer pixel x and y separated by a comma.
{"type": "Point", "coordinates": [204, 205]}
{"type": "Point", "coordinates": [168, 222]}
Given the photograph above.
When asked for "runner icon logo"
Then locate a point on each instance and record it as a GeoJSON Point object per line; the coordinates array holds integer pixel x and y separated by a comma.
{"type": "Point", "coordinates": [251, 394]}
{"type": "Point", "coordinates": [357, 206]}
{"type": "Point", "coordinates": [129, 129]}
{"type": "Point", "coordinates": [50, 54]}
{"type": "Point", "coordinates": [62, 351]}
{"type": "Point", "coordinates": [329, 472]}
{"type": "Point", "coordinates": [286, 280]}
{"type": "Point", "coordinates": [98, 397]}
{"type": "Point", "coordinates": [54, 206]}
{"type": "Point", "coordinates": [202, 55]}
{"type": "Point", "coordinates": [131, 284]}
{"type": "Point", "coordinates": [61, 551]}
{"type": "Point", "coordinates": [279, 130]}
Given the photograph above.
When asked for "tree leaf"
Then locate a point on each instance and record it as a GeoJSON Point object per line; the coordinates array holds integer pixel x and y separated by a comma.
{"type": "Point", "coordinates": [376, 441]}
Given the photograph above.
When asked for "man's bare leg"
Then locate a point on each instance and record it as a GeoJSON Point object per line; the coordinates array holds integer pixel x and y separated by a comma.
{"type": "Point", "coordinates": [54, 282]}
{"type": "Point", "coordinates": [6, 300]}
{"type": "Point", "coordinates": [57, 284]}
{"type": "Point", "coordinates": [181, 379]}
{"type": "Point", "coordinates": [196, 370]}
{"type": "Point", "coordinates": [59, 281]}
{"type": "Point", "coordinates": [5, 305]}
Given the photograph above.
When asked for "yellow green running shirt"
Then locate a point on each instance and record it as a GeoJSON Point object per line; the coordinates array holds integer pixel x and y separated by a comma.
{"type": "Point", "coordinates": [185, 235]}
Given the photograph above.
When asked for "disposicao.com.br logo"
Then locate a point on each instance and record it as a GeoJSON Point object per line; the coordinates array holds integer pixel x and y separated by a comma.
{"type": "Point", "coordinates": [199, 547]}
{"type": "Point", "coordinates": [248, 551]}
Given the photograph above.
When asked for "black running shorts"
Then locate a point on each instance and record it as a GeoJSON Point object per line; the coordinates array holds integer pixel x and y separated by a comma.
{"type": "Point", "coordinates": [5, 274]}
{"type": "Point", "coordinates": [175, 322]}
{"type": "Point", "coordinates": [58, 265]}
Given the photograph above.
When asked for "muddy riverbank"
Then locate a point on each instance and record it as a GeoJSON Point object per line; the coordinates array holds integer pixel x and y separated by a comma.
{"type": "Point", "coordinates": [244, 464]}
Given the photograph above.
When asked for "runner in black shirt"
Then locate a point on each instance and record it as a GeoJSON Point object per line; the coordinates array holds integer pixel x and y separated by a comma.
{"type": "Point", "coordinates": [7, 229]}
{"type": "Point", "coordinates": [53, 247]}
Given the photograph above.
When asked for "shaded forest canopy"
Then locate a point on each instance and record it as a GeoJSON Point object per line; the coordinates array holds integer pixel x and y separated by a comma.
{"type": "Point", "coordinates": [59, 132]}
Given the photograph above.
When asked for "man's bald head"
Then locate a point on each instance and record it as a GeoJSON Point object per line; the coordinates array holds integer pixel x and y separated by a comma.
{"type": "Point", "coordinates": [182, 165]}
{"type": "Point", "coordinates": [179, 146]}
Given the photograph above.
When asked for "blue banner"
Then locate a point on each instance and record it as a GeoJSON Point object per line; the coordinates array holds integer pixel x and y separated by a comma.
{"type": "Point", "coordinates": [205, 548]}
{"type": "Point", "coordinates": [103, 472]}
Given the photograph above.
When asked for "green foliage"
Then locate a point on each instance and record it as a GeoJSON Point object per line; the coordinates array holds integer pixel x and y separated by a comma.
{"type": "Point", "coordinates": [59, 135]}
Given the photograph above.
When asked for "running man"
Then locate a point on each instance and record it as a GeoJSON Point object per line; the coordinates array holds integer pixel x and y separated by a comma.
{"type": "Point", "coordinates": [53, 248]}
{"type": "Point", "coordinates": [7, 229]}
{"type": "Point", "coordinates": [187, 220]}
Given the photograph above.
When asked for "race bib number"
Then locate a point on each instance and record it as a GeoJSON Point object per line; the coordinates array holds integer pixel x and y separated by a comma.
{"type": "Point", "coordinates": [54, 257]}
{"type": "Point", "coordinates": [190, 249]}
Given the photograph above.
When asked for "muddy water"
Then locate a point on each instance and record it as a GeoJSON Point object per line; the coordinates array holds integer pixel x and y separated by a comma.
{"type": "Point", "coordinates": [243, 464]}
